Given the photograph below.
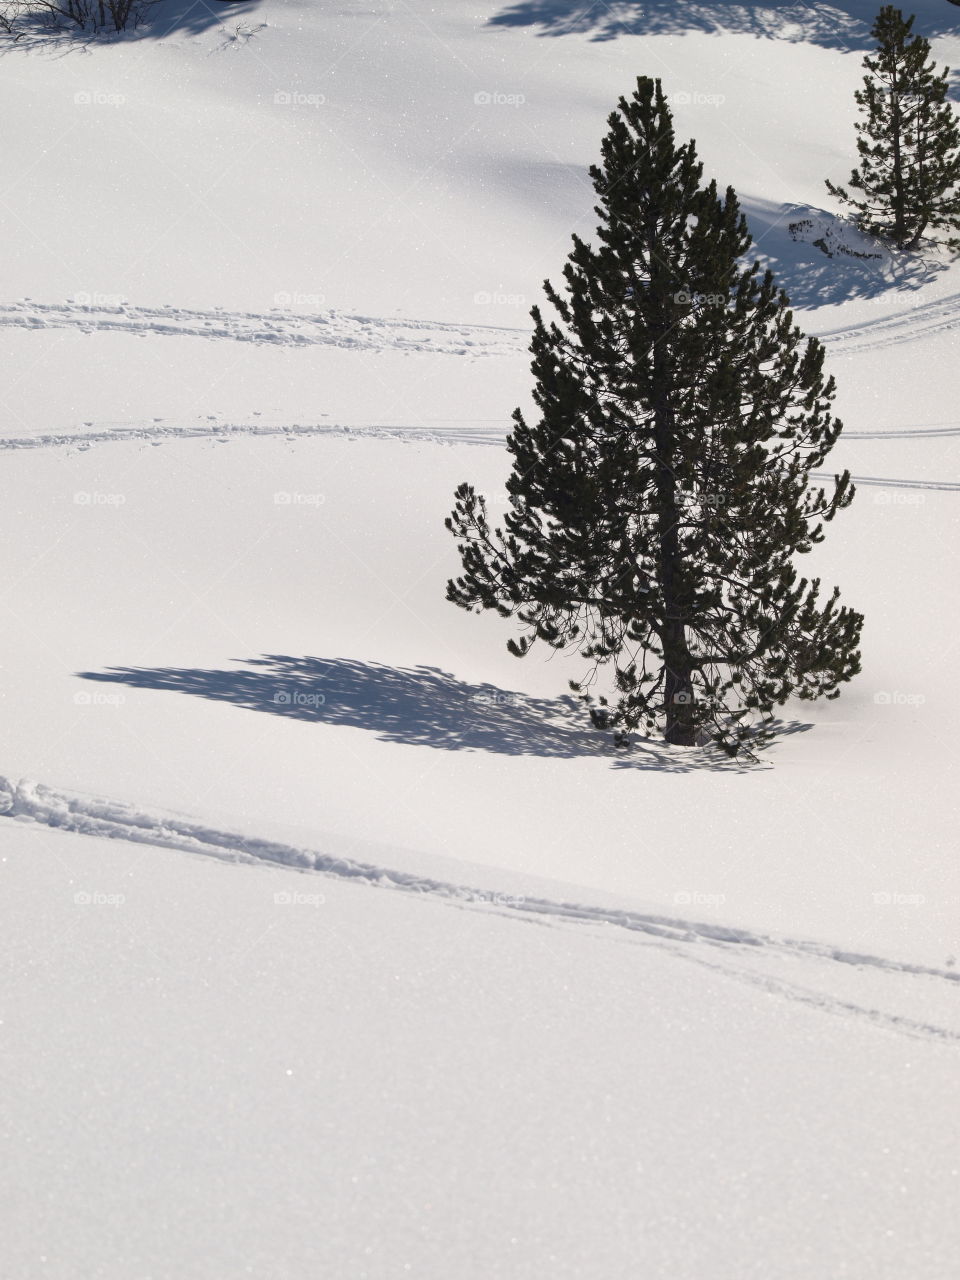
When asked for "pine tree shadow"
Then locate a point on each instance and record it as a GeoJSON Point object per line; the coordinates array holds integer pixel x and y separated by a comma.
{"type": "Point", "coordinates": [193, 17]}
{"type": "Point", "coordinates": [415, 706]}
{"type": "Point", "coordinates": [41, 32]}
{"type": "Point", "coordinates": [822, 260]}
{"type": "Point", "coordinates": [842, 24]}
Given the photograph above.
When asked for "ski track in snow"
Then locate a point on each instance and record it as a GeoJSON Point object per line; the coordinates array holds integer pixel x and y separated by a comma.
{"type": "Point", "coordinates": [378, 333]}
{"type": "Point", "coordinates": [935, 429]}
{"type": "Point", "coordinates": [157, 430]}
{"type": "Point", "coordinates": [31, 802]}
{"type": "Point", "coordinates": [826, 1003]}
{"type": "Point", "coordinates": [887, 331]}
{"type": "Point", "coordinates": [276, 328]}
{"type": "Point", "coordinates": [947, 485]}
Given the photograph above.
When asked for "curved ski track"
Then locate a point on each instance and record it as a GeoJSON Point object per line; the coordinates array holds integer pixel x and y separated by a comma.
{"type": "Point", "coordinates": [888, 331]}
{"type": "Point", "coordinates": [721, 948]}
{"type": "Point", "coordinates": [377, 333]}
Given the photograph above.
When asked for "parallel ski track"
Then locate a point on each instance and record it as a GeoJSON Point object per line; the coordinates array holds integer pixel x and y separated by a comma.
{"type": "Point", "coordinates": [276, 328]}
{"type": "Point", "coordinates": [378, 333]}
{"type": "Point", "coordinates": [27, 801]}
{"type": "Point", "coordinates": [888, 331]}
{"type": "Point", "coordinates": [157, 432]}
{"type": "Point", "coordinates": [468, 432]}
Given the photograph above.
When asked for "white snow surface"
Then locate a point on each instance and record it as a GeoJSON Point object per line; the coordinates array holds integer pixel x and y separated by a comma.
{"type": "Point", "coordinates": [337, 943]}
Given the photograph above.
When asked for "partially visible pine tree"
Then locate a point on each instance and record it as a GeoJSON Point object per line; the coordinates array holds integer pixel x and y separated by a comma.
{"type": "Point", "coordinates": [908, 139]}
{"type": "Point", "coordinates": [657, 504]}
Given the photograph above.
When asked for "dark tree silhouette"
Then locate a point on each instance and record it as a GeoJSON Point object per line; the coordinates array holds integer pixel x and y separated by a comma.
{"type": "Point", "coordinates": [908, 178]}
{"type": "Point", "coordinates": [658, 503]}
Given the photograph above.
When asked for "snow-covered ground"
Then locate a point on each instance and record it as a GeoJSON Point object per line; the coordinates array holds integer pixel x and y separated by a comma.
{"type": "Point", "coordinates": [338, 943]}
{"type": "Point", "coordinates": [241, 1071]}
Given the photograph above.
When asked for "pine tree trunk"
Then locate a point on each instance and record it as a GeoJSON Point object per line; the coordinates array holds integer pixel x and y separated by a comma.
{"type": "Point", "coordinates": [899, 220]}
{"type": "Point", "coordinates": [677, 661]}
{"type": "Point", "coordinates": [921, 180]}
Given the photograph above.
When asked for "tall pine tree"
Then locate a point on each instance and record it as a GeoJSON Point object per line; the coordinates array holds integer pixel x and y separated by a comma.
{"type": "Point", "coordinates": [908, 178]}
{"type": "Point", "coordinates": [656, 505]}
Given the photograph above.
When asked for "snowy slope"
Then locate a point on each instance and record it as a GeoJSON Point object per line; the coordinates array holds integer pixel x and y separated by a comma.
{"type": "Point", "coordinates": [285, 1076]}
{"type": "Point", "coordinates": [168, 592]}
{"type": "Point", "coordinates": [531, 1007]}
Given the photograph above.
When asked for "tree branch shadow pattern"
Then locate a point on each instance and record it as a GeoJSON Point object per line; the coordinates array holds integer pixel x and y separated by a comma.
{"type": "Point", "coordinates": [416, 706]}
{"type": "Point", "coordinates": [843, 24]}
{"type": "Point", "coordinates": [194, 16]}
{"type": "Point", "coordinates": [44, 32]}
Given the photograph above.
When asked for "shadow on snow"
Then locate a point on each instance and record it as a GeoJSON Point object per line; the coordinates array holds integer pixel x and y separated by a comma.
{"type": "Point", "coordinates": [161, 18]}
{"type": "Point", "coordinates": [844, 24]}
{"type": "Point", "coordinates": [849, 265]}
{"type": "Point", "coordinates": [416, 706]}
